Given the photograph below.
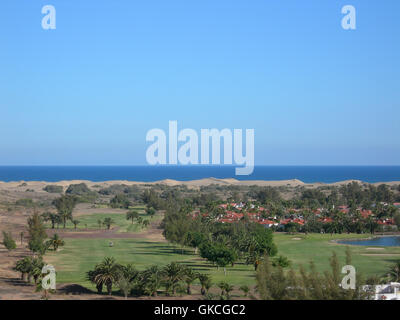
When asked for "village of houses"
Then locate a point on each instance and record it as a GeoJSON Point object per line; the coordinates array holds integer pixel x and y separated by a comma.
{"type": "Point", "coordinates": [234, 212]}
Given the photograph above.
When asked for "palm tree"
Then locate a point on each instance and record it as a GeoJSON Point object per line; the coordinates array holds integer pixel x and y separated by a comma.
{"type": "Point", "coordinates": [228, 289]}
{"type": "Point", "coordinates": [24, 266]}
{"type": "Point", "coordinates": [146, 223]}
{"type": "Point", "coordinates": [37, 265]}
{"type": "Point", "coordinates": [152, 280]}
{"type": "Point", "coordinates": [222, 286]}
{"type": "Point", "coordinates": [108, 222]}
{"type": "Point", "coordinates": [55, 242]}
{"type": "Point", "coordinates": [50, 216]}
{"type": "Point", "coordinates": [129, 272]}
{"type": "Point", "coordinates": [75, 222]}
{"type": "Point", "coordinates": [189, 277]}
{"type": "Point", "coordinates": [125, 286]}
{"type": "Point", "coordinates": [91, 276]}
{"type": "Point", "coordinates": [245, 289]}
{"type": "Point", "coordinates": [65, 205]}
{"type": "Point", "coordinates": [394, 272]}
{"type": "Point", "coordinates": [205, 281]}
{"type": "Point", "coordinates": [107, 273]}
{"type": "Point", "coordinates": [173, 274]}
{"type": "Point", "coordinates": [131, 215]}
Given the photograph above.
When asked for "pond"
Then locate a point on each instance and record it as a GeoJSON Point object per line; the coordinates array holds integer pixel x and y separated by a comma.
{"type": "Point", "coordinates": [390, 241]}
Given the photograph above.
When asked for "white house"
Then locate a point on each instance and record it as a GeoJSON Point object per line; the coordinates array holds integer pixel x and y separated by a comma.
{"type": "Point", "coordinates": [389, 291]}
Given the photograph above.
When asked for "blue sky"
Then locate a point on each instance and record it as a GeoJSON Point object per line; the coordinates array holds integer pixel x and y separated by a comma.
{"type": "Point", "coordinates": [87, 92]}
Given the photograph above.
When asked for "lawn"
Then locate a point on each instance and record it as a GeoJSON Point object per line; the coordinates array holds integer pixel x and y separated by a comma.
{"type": "Point", "coordinates": [319, 248]}
{"type": "Point", "coordinates": [80, 255]}
{"type": "Point", "coordinates": [91, 221]}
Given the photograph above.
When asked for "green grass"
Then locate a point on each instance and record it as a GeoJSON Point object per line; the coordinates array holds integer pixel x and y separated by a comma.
{"type": "Point", "coordinates": [80, 255]}
{"type": "Point", "coordinates": [319, 248]}
{"type": "Point", "coordinates": [91, 221]}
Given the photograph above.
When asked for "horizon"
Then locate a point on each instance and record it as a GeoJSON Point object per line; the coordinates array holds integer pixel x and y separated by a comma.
{"type": "Point", "coordinates": [147, 173]}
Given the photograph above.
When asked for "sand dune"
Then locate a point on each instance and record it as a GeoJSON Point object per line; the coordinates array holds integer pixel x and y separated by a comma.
{"type": "Point", "coordinates": [39, 185]}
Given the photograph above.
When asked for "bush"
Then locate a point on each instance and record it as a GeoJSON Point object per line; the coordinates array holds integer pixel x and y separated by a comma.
{"type": "Point", "coordinates": [8, 241]}
{"type": "Point", "coordinates": [82, 191]}
{"type": "Point", "coordinates": [78, 189]}
{"type": "Point", "coordinates": [25, 203]}
{"type": "Point", "coordinates": [120, 201]}
{"type": "Point", "coordinates": [53, 189]}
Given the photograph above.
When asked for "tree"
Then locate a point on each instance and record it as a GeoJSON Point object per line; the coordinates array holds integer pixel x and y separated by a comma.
{"type": "Point", "coordinates": [91, 276]}
{"type": "Point", "coordinates": [37, 234]}
{"type": "Point", "coordinates": [177, 223]}
{"type": "Point", "coordinates": [120, 201]}
{"type": "Point", "coordinates": [150, 211]}
{"type": "Point", "coordinates": [30, 268]}
{"type": "Point", "coordinates": [281, 261]}
{"type": "Point", "coordinates": [218, 253]}
{"type": "Point", "coordinates": [228, 289]}
{"type": "Point", "coordinates": [189, 276]}
{"type": "Point", "coordinates": [205, 282]}
{"type": "Point", "coordinates": [394, 272]}
{"type": "Point", "coordinates": [55, 242]}
{"type": "Point", "coordinates": [273, 283]}
{"type": "Point", "coordinates": [65, 206]}
{"type": "Point", "coordinates": [106, 273]}
{"type": "Point", "coordinates": [371, 224]}
{"type": "Point", "coordinates": [131, 215]}
{"type": "Point", "coordinates": [260, 244]}
{"type": "Point", "coordinates": [108, 222]}
{"type": "Point", "coordinates": [52, 217]}
{"type": "Point", "coordinates": [245, 289]}
{"type": "Point", "coordinates": [125, 286]}
{"type": "Point", "coordinates": [146, 223]}
{"type": "Point", "coordinates": [152, 279]}
{"type": "Point", "coordinates": [396, 218]}
{"type": "Point", "coordinates": [8, 241]}
{"type": "Point", "coordinates": [222, 285]}
{"type": "Point", "coordinates": [21, 235]}
{"type": "Point", "coordinates": [195, 239]}
{"type": "Point", "coordinates": [173, 274]}
{"type": "Point", "coordinates": [75, 222]}
{"type": "Point", "coordinates": [23, 266]}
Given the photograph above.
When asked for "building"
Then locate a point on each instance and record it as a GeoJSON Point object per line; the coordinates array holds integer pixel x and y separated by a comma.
{"type": "Point", "coordinates": [390, 291]}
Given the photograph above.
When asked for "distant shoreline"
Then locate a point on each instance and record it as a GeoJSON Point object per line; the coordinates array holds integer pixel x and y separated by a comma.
{"type": "Point", "coordinates": [189, 183]}
{"type": "Point", "coordinates": [275, 175]}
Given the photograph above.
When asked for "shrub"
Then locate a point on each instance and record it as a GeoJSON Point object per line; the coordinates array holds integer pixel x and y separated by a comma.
{"type": "Point", "coordinates": [120, 201]}
{"type": "Point", "coordinates": [78, 189]}
{"type": "Point", "coordinates": [53, 189]}
{"type": "Point", "coordinates": [25, 203]}
{"type": "Point", "coordinates": [8, 241]}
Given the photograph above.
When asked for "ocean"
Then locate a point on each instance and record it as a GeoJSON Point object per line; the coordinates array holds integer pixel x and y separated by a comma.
{"type": "Point", "coordinates": [308, 174]}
